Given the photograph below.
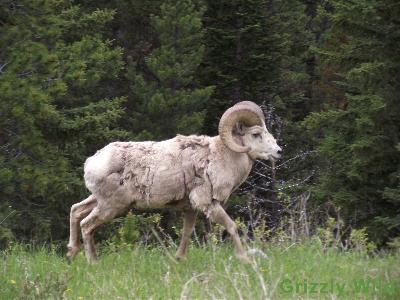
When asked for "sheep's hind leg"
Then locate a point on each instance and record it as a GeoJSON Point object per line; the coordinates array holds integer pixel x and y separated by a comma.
{"type": "Point", "coordinates": [78, 212]}
{"type": "Point", "coordinates": [96, 217]}
{"type": "Point", "coordinates": [217, 214]}
{"type": "Point", "coordinates": [189, 219]}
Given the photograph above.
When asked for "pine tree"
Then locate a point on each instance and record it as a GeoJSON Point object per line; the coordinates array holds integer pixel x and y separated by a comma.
{"type": "Point", "coordinates": [360, 127]}
{"type": "Point", "coordinates": [243, 55]}
{"type": "Point", "coordinates": [57, 107]}
{"type": "Point", "coordinates": [167, 97]}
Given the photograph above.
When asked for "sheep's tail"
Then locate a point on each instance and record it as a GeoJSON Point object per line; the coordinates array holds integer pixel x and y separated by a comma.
{"type": "Point", "coordinates": [98, 167]}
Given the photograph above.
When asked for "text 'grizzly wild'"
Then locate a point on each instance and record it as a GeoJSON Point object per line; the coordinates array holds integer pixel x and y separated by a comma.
{"type": "Point", "coordinates": [191, 173]}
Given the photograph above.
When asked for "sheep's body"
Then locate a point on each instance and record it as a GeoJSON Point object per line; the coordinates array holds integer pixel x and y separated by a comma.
{"type": "Point", "coordinates": [183, 172]}
{"type": "Point", "coordinates": [192, 173]}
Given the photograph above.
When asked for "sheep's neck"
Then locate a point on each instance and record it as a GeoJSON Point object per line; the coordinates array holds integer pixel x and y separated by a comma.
{"type": "Point", "coordinates": [238, 164]}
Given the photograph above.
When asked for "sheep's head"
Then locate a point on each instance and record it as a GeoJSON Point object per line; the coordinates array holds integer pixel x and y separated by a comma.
{"type": "Point", "coordinates": [242, 129]}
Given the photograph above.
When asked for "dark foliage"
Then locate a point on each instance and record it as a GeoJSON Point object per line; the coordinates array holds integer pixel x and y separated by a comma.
{"type": "Point", "coordinates": [76, 75]}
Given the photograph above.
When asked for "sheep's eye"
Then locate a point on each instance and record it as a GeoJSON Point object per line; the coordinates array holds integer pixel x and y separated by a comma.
{"type": "Point", "coordinates": [256, 135]}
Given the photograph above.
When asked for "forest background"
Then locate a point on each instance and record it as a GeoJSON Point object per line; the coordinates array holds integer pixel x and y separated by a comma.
{"type": "Point", "coordinates": [76, 75]}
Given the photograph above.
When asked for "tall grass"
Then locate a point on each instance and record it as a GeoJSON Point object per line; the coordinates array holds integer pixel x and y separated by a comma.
{"type": "Point", "coordinates": [278, 271]}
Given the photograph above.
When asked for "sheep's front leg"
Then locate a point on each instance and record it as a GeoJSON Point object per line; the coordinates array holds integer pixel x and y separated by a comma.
{"type": "Point", "coordinates": [217, 214]}
{"type": "Point", "coordinates": [189, 219]}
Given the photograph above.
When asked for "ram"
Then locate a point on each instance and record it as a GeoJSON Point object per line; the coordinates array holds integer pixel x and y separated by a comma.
{"type": "Point", "coordinates": [190, 173]}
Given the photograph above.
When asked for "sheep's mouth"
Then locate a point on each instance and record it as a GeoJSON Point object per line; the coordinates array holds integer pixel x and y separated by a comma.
{"type": "Point", "coordinates": [269, 156]}
{"type": "Point", "coordinates": [274, 157]}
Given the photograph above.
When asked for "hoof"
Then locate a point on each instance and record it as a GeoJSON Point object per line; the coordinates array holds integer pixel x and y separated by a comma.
{"type": "Point", "coordinates": [72, 251]}
{"type": "Point", "coordinates": [92, 260]}
{"type": "Point", "coordinates": [243, 258]}
{"type": "Point", "coordinates": [180, 258]}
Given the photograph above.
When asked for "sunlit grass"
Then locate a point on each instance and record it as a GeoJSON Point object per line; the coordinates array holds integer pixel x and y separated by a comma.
{"type": "Point", "coordinates": [299, 271]}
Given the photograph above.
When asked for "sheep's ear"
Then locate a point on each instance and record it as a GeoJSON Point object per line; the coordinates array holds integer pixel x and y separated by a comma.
{"type": "Point", "coordinates": [239, 129]}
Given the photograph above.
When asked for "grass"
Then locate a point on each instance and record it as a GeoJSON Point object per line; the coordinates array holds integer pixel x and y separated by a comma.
{"type": "Point", "coordinates": [297, 271]}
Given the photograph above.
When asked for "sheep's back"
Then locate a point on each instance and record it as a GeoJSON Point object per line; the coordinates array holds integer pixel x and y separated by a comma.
{"type": "Point", "coordinates": [148, 174]}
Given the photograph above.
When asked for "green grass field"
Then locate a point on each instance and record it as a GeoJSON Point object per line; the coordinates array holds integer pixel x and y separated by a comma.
{"type": "Point", "coordinates": [293, 271]}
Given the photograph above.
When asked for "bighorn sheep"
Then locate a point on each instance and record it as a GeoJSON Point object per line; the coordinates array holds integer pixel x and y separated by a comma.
{"type": "Point", "coordinates": [191, 173]}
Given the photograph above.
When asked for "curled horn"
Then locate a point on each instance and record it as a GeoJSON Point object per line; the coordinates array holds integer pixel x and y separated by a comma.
{"type": "Point", "coordinates": [245, 112]}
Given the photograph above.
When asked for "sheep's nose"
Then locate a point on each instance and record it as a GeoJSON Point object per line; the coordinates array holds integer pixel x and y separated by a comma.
{"type": "Point", "coordinates": [279, 151]}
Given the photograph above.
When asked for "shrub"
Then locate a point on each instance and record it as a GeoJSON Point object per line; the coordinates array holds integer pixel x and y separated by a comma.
{"type": "Point", "coordinates": [135, 228]}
